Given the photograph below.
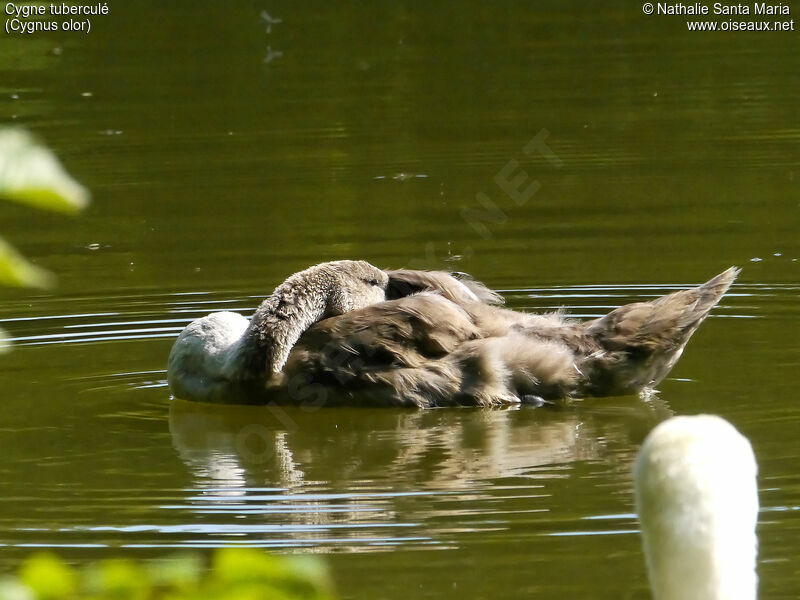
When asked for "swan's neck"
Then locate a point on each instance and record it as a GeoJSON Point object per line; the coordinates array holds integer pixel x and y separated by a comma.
{"type": "Point", "coordinates": [697, 501]}
{"type": "Point", "coordinates": [278, 323]}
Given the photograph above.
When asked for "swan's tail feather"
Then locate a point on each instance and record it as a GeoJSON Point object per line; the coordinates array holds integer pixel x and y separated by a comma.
{"type": "Point", "coordinates": [639, 343]}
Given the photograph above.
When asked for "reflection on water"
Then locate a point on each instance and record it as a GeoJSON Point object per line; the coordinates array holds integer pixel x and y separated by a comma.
{"type": "Point", "coordinates": [275, 466]}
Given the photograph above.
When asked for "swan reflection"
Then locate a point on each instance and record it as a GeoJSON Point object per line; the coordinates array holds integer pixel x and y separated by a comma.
{"type": "Point", "coordinates": [341, 475]}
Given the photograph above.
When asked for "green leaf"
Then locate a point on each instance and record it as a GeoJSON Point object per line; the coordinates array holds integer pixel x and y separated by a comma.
{"type": "Point", "coordinates": [31, 174]}
{"type": "Point", "coordinates": [237, 574]}
{"type": "Point", "coordinates": [17, 271]}
{"type": "Point", "coordinates": [179, 571]}
{"type": "Point", "coordinates": [285, 576]}
{"type": "Point", "coordinates": [117, 578]}
{"type": "Point", "coordinates": [5, 346]}
{"type": "Point", "coordinates": [48, 576]}
{"type": "Point", "coordinates": [10, 589]}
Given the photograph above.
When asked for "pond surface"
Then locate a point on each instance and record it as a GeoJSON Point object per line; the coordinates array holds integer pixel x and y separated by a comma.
{"type": "Point", "coordinates": [225, 152]}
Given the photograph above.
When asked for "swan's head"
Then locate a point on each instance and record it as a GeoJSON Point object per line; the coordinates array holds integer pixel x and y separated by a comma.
{"type": "Point", "coordinates": [697, 501]}
{"type": "Point", "coordinates": [198, 364]}
{"type": "Point", "coordinates": [356, 284]}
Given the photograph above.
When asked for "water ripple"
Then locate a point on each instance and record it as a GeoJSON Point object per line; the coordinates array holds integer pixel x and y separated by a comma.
{"type": "Point", "coordinates": [157, 317]}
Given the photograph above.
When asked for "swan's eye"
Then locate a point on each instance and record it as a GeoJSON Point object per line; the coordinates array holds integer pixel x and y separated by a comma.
{"type": "Point", "coordinates": [373, 282]}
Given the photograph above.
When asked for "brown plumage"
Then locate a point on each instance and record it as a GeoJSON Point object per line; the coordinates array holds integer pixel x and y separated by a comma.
{"type": "Point", "coordinates": [440, 347]}
{"type": "Point", "coordinates": [442, 340]}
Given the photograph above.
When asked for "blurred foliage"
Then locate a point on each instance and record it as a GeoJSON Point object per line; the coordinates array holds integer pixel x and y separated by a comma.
{"type": "Point", "coordinates": [15, 270]}
{"type": "Point", "coordinates": [31, 174]}
{"type": "Point", "coordinates": [235, 574]}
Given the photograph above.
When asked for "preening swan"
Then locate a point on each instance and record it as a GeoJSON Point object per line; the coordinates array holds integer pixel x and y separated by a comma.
{"type": "Point", "coordinates": [224, 357]}
{"type": "Point", "coordinates": [347, 331]}
{"type": "Point", "coordinates": [697, 501]}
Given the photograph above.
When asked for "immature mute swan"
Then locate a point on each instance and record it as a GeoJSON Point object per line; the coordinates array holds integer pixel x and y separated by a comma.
{"type": "Point", "coordinates": [347, 331]}
{"type": "Point", "coordinates": [224, 357]}
{"type": "Point", "coordinates": [697, 502]}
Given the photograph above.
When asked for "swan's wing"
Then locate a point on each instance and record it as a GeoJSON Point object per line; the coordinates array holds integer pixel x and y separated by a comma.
{"type": "Point", "coordinates": [405, 332]}
{"type": "Point", "coordinates": [461, 289]}
{"type": "Point", "coordinates": [386, 352]}
{"type": "Point", "coordinates": [424, 350]}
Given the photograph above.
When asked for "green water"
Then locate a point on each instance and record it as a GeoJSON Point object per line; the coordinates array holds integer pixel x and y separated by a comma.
{"type": "Point", "coordinates": [223, 157]}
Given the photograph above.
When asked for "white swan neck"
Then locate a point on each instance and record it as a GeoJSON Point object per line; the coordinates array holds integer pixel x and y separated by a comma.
{"type": "Point", "coordinates": [697, 502]}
